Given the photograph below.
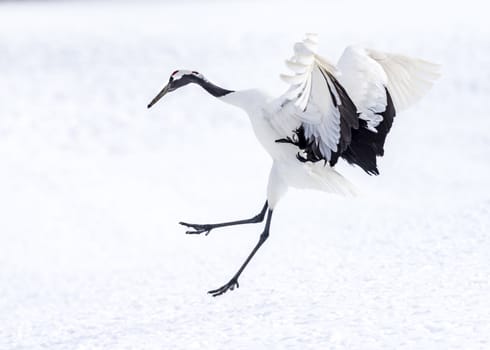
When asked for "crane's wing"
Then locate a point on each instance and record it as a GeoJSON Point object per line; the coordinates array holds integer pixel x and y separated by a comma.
{"type": "Point", "coordinates": [380, 85]}
{"type": "Point", "coordinates": [315, 113]}
{"type": "Point", "coordinates": [348, 111]}
{"type": "Point", "coordinates": [366, 74]}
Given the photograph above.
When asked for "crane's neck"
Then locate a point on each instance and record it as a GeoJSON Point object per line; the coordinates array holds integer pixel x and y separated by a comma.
{"type": "Point", "coordinates": [248, 100]}
{"type": "Point", "coordinates": [214, 90]}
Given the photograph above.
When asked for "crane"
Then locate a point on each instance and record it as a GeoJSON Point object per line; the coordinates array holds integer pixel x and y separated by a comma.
{"type": "Point", "coordinates": [329, 112]}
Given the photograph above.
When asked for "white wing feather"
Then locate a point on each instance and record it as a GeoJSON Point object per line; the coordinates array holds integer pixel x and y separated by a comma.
{"type": "Point", "coordinates": [308, 101]}
{"type": "Point", "coordinates": [364, 80]}
{"type": "Point", "coordinates": [408, 78]}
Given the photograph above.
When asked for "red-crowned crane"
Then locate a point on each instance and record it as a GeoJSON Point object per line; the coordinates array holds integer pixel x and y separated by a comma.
{"type": "Point", "coordinates": [329, 112]}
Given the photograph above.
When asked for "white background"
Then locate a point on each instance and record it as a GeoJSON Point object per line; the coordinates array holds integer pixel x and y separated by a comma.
{"type": "Point", "coordinates": [92, 184]}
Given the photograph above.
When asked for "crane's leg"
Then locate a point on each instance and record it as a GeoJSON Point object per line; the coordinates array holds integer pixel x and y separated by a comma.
{"type": "Point", "coordinates": [206, 228]}
{"type": "Point", "coordinates": [234, 280]}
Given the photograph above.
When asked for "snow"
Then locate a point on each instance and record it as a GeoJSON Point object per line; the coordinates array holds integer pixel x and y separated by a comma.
{"type": "Point", "coordinates": [93, 184]}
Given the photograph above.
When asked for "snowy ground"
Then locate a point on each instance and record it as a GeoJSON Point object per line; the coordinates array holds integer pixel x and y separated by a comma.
{"type": "Point", "coordinates": [92, 184]}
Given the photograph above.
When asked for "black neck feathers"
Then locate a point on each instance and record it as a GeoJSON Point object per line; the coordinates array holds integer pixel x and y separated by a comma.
{"type": "Point", "coordinates": [214, 90]}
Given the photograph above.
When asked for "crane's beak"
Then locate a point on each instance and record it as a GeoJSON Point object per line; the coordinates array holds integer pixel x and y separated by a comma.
{"type": "Point", "coordinates": [160, 95]}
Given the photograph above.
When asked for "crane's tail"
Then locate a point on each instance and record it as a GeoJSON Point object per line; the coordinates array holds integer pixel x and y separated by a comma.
{"type": "Point", "coordinates": [328, 180]}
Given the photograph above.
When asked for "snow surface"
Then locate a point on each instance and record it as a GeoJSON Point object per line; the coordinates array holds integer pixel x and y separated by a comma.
{"type": "Point", "coordinates": [93, 184]}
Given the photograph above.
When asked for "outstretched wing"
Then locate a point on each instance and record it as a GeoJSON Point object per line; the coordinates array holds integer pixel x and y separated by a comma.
{"type": "Point", "coordinates": [380, 84]}
{"type": "Point", "coordinates": [347, 111]}
{"type": "Point", "coordinates": [366, 74]}
{"type": "Point", "coordinates": [315, 113]}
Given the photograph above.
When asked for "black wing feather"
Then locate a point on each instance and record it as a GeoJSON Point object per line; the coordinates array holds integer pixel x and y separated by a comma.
{"type": "Point", "coordinates": [366, 145]}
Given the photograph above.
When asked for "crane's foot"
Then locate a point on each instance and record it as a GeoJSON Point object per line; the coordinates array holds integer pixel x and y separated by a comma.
{"type": "Point", "coordinates": [197, 228]}
{"type": "Point", "coordinates": [223, 289]}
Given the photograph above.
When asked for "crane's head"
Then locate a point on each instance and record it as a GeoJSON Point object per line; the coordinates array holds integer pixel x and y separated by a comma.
{"type": "Point", "coordinates": [178, 79]}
